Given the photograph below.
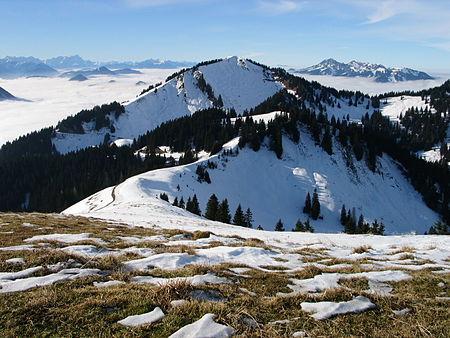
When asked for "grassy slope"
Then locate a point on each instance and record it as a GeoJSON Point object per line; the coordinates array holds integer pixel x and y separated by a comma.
{"type": "Point", "coordinates": [76, 308]}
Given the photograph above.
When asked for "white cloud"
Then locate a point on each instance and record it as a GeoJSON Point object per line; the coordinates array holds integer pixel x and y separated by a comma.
{"type": "Point", "coordinates": [422, 21]}
{"type": "Point", "coordinates": [280, 6]}
{"type": "Point", "coordinates": [385, 11]}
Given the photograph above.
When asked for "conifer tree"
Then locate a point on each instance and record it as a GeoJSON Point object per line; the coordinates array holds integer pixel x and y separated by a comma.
{"type": "Point", "coordinates": [239, 218]}
{"type": "Point", "coordinates": [308, 226]}
{"type": "Point", "coordinates": [175, 202]}
{"type": "Point", "coordinates": [343, 215]}
{"type": "Point", "coordinates": [279, 226]}
{"type": "Point", "coordinates": [299, 226]}
{"type": "Point", "coordinates": [181, 204]}
{"type": "Point", "coordinates": [164, 197]}
{"type": "Point", "coordinates": [307, 207]}
{"type": "Point", "coordinates": [327, 143]}
{"type": "Point", "coordinates": [189, 204]}
{"type": "Point", "coordinates": [195, 206]}
{"type": "Point", "coordinates": [361, 226]}
{"type": "Point", "coordinates": [223, 212]}
{"type": "Point", "coordinates": [350, 227]}
{"type": "Point", "coordinates": [248, 218]}
{"type": "Point", "coordinates": [211, 208]}
{"type": "Point", "coordinates": [315, 207]}
{"type": "Point", "coordinates": [259, 227]}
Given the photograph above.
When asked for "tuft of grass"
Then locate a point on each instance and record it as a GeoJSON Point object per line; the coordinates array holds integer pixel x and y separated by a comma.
{"type": "Point", "coordinates": [201, 234]}
{"type": "Point", "coordinates": [407, 256]}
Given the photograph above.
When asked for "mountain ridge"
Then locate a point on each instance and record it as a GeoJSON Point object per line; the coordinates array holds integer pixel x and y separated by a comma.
{"type": "Point", "coordinates": [12, 67]}
{"type": "Point", "coordinates": [364, 69]}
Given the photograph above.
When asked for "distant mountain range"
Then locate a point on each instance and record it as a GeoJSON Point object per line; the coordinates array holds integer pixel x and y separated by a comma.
{"type": "Point", "coordinates": [16, 67]}
{"type": "Point", "coordinates": [98, 71]}
{"type": "Point", "coordinates": [378, 72]}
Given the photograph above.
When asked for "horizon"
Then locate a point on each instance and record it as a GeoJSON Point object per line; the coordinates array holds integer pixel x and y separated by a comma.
{"type": "Point", "coordinates": [436, 71]}
{"type": "Point", "coordinates": [296, 33]}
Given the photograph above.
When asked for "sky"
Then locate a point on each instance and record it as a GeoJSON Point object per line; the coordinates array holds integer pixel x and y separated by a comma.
{"type": "Point", "coordinates": [410, 33]}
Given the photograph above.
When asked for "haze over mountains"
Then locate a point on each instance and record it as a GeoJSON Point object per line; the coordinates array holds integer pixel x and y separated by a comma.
{"type": "Point", "coordinates": [16, 67]}
{"type": "Point", "coordinates": [378, 72]}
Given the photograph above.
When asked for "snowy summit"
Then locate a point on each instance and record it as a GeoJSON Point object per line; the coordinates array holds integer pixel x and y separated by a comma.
{"type": "Point", "coordinates": [378, 72]}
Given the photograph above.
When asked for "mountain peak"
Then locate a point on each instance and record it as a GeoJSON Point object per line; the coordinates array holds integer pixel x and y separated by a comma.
{"type": "Point", "coordinates": [355, 68]}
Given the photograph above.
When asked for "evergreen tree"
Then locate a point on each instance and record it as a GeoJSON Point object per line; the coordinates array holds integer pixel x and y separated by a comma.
{"type": "Point", "coordinates": [259, 227]}
{"type": "Point", "coordinates": [189, 204]}
{"type": "Point", "coordinates": [239, 218]}
{"type": "Point", "coordinates": [350, 225]}
{"type": "Point", "coordinates": [308, 226]}
{"type": "Point", "coordinates": [439, 228]}
{"type": "Point", "coordinates": [219, 102]}
{"type": "Point", "coordinates": [360, 227]}
{"type": "Point", "coordinates": [279, 226]}
{"type": "Point", "coordinates": [175, 202]}
{"type": "Point", "coordinates": [181, 204]}
{"type": "Point", "coordinates": [327, 143]}
{"type": "Point", "coordinates": [211, 208]}
{"type": "Point", "coordinates": [307, 207]}
{"type": "Point", "coordinates": [343, 215]}
{"type": "Point", "coordinates": [223, 212]}
{"type": "Point", "coordinates": [195, 206]}
{"type": "Point", "coordinates": [299, 226]}
{"type": "Point", "coordinates": [315, 207]}
{"type": "Point", "coordinates": [248, 218]}
{"type": "Point", "coordinates": [164, 196]}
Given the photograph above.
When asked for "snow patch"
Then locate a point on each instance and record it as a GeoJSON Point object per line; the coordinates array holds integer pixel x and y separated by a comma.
{"type": "Point", "coordinates": [325, 310]}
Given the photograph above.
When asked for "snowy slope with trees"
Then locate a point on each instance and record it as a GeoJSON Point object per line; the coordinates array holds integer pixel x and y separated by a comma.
{"type": "Point", "coordinates": [274, 189]}
{"type": "Point", "coordinates": [230, 83]}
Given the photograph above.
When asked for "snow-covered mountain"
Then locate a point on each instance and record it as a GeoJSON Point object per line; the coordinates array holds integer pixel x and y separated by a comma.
{"type": "Point", "coordinates": [239, 83]}
{"type": "Point", "coordinates": [77, 62]}
{"type": "Point", "coordinates": [15, 67]}
{"type": "Point", "coordinates": [378, 72]}
{"type": "Point", "coordinates": [70, 62]}
{"type": "Point", "coordinates": [275, 188]}
{"type": "Point", "coordinates": [100, 71]}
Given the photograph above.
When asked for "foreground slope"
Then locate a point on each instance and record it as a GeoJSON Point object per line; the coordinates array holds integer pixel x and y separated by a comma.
{"type": "Point", "coordinates": [274, 189]}
{"type": "Point", "coordinates": [65, 275]}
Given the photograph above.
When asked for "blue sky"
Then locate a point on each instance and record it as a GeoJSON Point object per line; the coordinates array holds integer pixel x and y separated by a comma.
{"type": "Point", "coordinates": [412, 33]}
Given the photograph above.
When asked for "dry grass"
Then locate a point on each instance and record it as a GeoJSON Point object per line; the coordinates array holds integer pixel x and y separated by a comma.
{"type": "Point", "coordinates": [403, 249]}
{"type": "Point", "coordinates": [78, 309]}
{"type": "Point", "coordinates": [362, 249]}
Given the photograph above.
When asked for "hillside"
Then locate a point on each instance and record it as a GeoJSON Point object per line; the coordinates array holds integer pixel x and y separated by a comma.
{"type": "Point", "coordinates": [276, 188]}
{"type": "Point", "coordinates": [378, 72]}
